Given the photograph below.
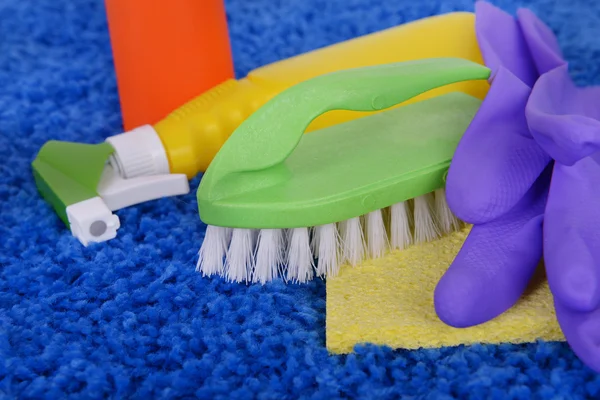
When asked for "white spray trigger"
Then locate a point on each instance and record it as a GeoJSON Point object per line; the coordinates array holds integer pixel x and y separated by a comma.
{"type": "Point", "coordinates": [119, 193]}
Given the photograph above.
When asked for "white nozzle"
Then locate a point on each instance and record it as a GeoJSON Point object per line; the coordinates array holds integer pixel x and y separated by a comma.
{"type": "Point", "coordinates": [139, 152]}
{"type": "Point", "coordinates": [92, 221]}
{"type": "Point", "coordinates": [138, 171]}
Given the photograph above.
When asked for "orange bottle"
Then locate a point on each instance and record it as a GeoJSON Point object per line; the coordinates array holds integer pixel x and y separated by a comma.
{"type": "Point", "coordinates": [165, 53]}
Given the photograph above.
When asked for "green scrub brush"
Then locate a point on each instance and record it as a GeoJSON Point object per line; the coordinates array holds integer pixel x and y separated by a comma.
{"type": "Point", "coordinates": [276, 199]}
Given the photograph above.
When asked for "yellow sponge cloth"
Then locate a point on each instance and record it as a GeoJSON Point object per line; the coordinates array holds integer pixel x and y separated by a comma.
{"type": "Point", "coordinates": [389, 301]}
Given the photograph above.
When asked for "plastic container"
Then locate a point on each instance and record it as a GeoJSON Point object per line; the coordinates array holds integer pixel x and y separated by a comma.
{"type": "Point", "coordinates": [166, 52]}
{"type": "Point", "coordinates": [195, 132]}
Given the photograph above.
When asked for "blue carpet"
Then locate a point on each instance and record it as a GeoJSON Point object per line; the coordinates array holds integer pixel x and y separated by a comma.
{"type": "Point", "coordinates": [130, 318]}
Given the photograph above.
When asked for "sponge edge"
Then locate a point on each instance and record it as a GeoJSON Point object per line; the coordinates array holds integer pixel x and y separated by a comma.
{"type": "Point", "coordinates": [389, 301]}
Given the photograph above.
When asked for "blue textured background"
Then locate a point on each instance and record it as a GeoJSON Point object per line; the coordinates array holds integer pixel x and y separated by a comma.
{"type": "Point", "coordinates": [131, 318]}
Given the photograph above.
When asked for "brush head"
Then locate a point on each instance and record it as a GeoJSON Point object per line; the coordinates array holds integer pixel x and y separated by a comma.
{"type": "Point", "coordinates": [338, 177]}
{"type": "Point", "coordinates": [352, 182]}
{"type": "Point", "coordinates": [300, 254]}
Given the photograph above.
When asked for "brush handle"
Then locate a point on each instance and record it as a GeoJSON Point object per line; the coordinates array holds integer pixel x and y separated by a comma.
{"type": "Point", "coordinates": [270, 135]}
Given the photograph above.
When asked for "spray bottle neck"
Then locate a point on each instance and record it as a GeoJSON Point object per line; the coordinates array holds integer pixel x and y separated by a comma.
{"type": "Point", "coordinates": [194, 133]}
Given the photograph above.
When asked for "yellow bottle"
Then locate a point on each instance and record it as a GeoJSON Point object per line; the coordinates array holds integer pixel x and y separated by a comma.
{"type": "Point", "coordinates": [192, 134]}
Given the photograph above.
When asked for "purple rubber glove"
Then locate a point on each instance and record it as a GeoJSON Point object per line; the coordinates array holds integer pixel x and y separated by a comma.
{"type": "Point", "coordinates": [495, 264]}
{"type": "Point", "coordinates": [565, 120]}
{"type": "Point", "coordinates": [495, 181]}
{"type": "Point", "coordinates": [497, 161]}
{"type": "Point", "coordinates": [502, 44]}
{"type": "Point", "coordinates": [543, 45]}
{"type": "Point", "coordinates": [572, 253]}
{"type": "Point", "coordinates": [582, 330]}
{"type": "Point", "coordinates": [498, 259]}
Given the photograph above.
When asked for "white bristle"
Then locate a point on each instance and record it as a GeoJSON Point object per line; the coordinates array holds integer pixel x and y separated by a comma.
{"type": "Point", "coordinates": [353, 241]}
{"type": "Point", "coordinates": [425, 228]}
{"type": "Point", "coordinates": [400, 233]}
{"type": "Point", "coordinates": [328, 250]}
{"type": "Point", "coordinates": [269, 255]}
{"type": "Point", "coordinates": [447, 221]}
{"type": "Point", "coordinates": [314, 240]}
{"type": "Point", "coordinates": [240, 255]}
{"type": "Point", "coordinates": [212, 252]}
{"type": "Point", "coordinates": [377, 237]}
{"type": "Point", "coordinates": [261, 256]}
{"type": "Point", "coordinates": [300, 266]}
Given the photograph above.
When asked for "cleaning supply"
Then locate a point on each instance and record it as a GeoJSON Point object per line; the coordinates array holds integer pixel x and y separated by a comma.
{"type": "Point", "coordinates": [388, 302]}
{"type": "Point", "coordinates": [185, 142]}
{"type": "Point", "coordinates": [84, 183]}
{"type": "Point", "coordinates": [565, 122]}
{"type": "Point", "coordinates": [194, 133]}
{"type": "Point", "coordinates": [498, 179]}
{"type": "Point", "coordinates": [539, 157]}
{"type": "Point", "coordinates": [270, 182]}
{"type": "Point", "coordinates": [165, 53]}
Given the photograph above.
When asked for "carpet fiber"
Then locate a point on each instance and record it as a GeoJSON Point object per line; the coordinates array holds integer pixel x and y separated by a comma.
{"type": "Point", "coordinates": [130, 318]}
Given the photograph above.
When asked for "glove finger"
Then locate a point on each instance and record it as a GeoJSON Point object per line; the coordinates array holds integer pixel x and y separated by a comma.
{"type": "Point", "coordinates": [502, 44]}
{"type": "Point", "coordinates": [541, 42]}
{"type": "Point", "coordinates": [572, 235]}
{"type": "Point", "coordinates": [582, 331]}
{"type": "Point", "coordinates": [497, 161]}
{"type": "Point", "coordinates": [495, 264]}
{"type": "Point", "coordinates": [564, 119]}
